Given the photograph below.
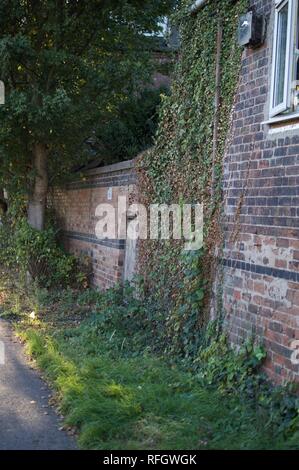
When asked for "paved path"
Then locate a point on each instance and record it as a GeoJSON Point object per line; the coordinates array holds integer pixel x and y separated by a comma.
{"type": "Point", "coordinates": [27, 422]}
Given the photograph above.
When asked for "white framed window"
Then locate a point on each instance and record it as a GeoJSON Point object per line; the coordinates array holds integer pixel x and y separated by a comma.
{"type": "Point", "coordinates": [285, 64]}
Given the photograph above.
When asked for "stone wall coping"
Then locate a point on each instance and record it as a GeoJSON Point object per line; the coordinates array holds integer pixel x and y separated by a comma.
{"type": "Point", "coordinates": [125, 165]}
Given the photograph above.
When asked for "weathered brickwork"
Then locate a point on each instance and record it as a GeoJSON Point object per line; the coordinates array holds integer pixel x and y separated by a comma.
{"type": "Point", "coordinates": [75, 209]}
{"type": "Point", "coordinates": [261, 181]}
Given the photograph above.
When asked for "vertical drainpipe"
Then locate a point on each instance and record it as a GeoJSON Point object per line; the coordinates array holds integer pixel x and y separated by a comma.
{"type": "Point", "coordinates": [217, 107]}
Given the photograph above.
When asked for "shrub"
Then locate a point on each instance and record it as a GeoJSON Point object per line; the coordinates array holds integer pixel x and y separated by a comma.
{"type": "Point", "coordinates": [39, 254]}
{"type": "Point", "coordinates": [7, 248]}
{"type": "Point", "coordinates": [134, 127]}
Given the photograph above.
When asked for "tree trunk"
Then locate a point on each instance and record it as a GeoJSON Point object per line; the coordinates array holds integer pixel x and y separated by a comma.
{"type": "Point", "coordinates": [38, 198]}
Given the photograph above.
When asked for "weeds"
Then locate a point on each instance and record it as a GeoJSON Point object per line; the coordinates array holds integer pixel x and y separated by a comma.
{"type": "Point", "coordinates": [141, 403]}
{"type": "Point", "coordinates": [98, 353]}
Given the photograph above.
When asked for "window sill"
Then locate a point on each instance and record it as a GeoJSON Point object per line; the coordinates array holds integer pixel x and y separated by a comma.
{"type": "Point", "coordinates": [282, 119]}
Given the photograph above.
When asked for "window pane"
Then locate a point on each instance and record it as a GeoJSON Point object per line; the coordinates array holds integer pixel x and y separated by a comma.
{"type": "Point", "coordinates": [281, 51]}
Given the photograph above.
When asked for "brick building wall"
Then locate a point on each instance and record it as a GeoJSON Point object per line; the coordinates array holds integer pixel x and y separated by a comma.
{"type": "Point", "coordinates": [261, 181]}
{"type": "Point", "coordinates": [75, 207]}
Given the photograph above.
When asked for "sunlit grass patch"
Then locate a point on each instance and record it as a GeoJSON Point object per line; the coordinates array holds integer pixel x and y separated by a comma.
{"type": "Point", "coordinates": [117, 402]}
{"type": "Point", "coordinates": [113, 388]}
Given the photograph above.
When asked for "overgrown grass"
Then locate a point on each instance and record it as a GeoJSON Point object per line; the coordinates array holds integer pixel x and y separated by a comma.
{"type": "Point", "coordinates": [118, 394]}
{"type": "Point", "coordinates": [141, 403]}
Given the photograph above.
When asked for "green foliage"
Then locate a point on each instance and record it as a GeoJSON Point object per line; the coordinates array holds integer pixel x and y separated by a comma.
{"type": "Point", "coordinates": [186, 317]}
{"type": "Point", "coordinates": [120, 395]}
{"type": "Point", "coordinates": [218, 365]}
{"type": "Point", "coordinates": [112, 387]}
{"type": "Point", "coordinates": [7, 248]}
{"type": "Point", "coordinates": [174, 299]}
{"type": "Point", "coordinates": [138, 320]}
{"type": "Point", "coordinates": [117, 401]}
{"type": "Point", "coordinates": [180, 168]}
{"type": "Point", "coordinates": [133, 128]}
{"type": "Point", "coordinates": [66, 67]}
{"type": "Point", "coordinates": [39, 254]}
{"type": "Point", "coordinates": [125, 324]}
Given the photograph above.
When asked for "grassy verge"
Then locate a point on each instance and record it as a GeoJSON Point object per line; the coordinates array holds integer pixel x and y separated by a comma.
{"type": "Point", "coordinates": [120, 396]}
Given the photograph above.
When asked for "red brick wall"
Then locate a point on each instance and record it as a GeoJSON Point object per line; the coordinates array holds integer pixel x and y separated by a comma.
{"type": "Point", "coordinates": [75, 208]}
{"type": "Point", "coordinates": [261, 255]}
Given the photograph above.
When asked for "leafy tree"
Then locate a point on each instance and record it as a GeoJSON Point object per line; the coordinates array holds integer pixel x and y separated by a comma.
{"type": "Point", "coordinates": [67, 65]}
{"type": "Point", "coordinates": [131, 130]}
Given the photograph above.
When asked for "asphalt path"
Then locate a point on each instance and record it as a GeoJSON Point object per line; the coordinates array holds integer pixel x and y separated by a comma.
{"type": "Point", "coordinates": [27, 421]}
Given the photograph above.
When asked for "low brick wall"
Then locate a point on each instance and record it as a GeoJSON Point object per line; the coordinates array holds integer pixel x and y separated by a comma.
{"type": "Point", "coordinates": [75, 207]}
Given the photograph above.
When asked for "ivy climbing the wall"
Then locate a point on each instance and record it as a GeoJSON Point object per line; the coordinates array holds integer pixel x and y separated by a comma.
{"type": "Point", "coordinates": [184, 165]}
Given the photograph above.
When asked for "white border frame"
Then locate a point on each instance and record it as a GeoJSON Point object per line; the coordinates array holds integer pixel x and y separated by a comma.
{"type": "Point", "coordinates": [274, 111]}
